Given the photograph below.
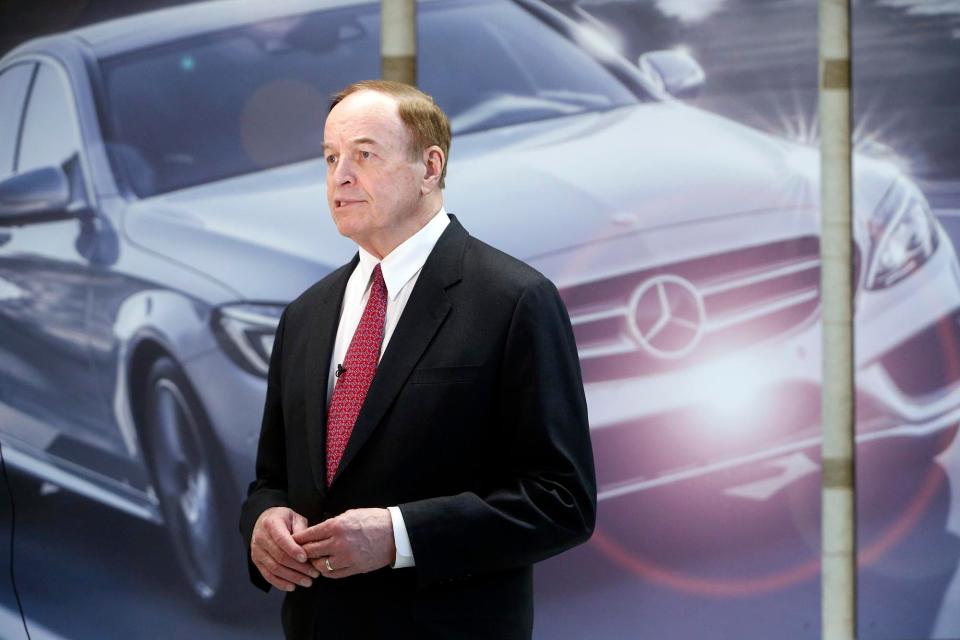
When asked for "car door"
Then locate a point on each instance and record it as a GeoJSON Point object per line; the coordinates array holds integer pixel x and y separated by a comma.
{"type": "Point", "coordinates": [49, 405]}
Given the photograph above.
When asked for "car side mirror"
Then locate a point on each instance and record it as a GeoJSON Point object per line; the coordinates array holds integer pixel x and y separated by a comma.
{"type": "Point", "coordinates": [38, 195]}
{"type": "Point", "coordinates": [674, 70]}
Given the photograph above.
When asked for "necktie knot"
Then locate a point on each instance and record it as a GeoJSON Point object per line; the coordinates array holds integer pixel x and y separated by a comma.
{"type": "Point", "coordinates": [378, 284]}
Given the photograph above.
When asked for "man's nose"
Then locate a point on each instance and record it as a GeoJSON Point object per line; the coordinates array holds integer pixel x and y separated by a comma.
{"type": "Point", "coordinates": [343, 171]}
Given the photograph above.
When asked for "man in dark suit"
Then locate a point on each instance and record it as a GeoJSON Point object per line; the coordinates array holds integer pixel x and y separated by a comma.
{"type": "Point", "coordinates": [424, 437]}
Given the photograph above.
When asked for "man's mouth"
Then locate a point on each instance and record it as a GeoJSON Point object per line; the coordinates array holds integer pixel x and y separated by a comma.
{"type": "Point", "coordinates": [339, 204]}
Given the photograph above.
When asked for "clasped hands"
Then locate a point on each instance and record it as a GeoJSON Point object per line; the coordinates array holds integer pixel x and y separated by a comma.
{"type": "Point", "coordinates": [288, 553]}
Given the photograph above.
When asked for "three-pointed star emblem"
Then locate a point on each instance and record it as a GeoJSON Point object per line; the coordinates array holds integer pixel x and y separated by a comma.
{"type": "Point", "coordinates": [666, 316]}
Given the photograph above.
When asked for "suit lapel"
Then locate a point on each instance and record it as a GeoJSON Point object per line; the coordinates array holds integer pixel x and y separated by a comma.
{"type": "Point", "coordinates": [322, 332]}
{"type": "Point", "coordinates": [423, 315]}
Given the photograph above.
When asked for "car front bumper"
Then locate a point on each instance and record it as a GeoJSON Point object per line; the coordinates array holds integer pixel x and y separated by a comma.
{"type": "Point", "coordinates": [759, 405]}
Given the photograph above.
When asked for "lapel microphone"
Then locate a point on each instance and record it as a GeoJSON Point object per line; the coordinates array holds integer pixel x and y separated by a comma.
{"type": "Point", "coordinates": [340, 370]}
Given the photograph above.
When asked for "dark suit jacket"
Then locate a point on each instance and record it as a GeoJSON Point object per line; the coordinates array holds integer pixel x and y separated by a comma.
{"type": "Point", "coordinates": [475, 425]}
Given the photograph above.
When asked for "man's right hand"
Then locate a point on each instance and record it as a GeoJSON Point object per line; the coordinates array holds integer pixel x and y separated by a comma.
{"type": "Point", "coordinates": [281, 561]}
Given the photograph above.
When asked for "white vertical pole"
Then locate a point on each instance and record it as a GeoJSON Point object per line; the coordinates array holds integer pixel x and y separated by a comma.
{"type": "Point", "coordinates": [839, 546]}
{"type": "Point", "coordinates": [398, 40]}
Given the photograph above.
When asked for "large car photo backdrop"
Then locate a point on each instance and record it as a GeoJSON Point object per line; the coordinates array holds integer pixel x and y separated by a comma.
{"type": "Point", "coordinates": [162, 199]}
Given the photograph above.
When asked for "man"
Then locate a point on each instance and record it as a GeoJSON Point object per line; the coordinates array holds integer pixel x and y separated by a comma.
{"type": "Point", "coordinates": [424, 436]}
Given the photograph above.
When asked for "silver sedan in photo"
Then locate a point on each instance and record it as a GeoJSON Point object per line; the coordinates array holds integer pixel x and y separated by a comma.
{"type": "Point", "coordinates": [162, 199]}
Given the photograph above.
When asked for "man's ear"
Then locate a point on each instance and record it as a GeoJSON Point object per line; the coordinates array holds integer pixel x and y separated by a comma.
{"type": "Point", "coordinates": [434, 161]}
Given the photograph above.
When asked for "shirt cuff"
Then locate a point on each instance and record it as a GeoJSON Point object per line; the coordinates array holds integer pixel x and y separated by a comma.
{"type": "Point", "coordinates": [401, 540]}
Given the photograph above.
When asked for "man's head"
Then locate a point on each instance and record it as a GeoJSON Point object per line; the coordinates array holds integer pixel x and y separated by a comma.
{"type": "Point", "coordinates": [385, 146]}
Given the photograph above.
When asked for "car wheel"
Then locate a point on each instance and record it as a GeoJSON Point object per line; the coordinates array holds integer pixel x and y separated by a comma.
{"type": "Point", "coordinates": [188, 478]}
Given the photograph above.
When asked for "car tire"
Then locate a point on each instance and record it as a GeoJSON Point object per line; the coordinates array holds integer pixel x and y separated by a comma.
{"type": "Point", "coordinates": [188, 475]}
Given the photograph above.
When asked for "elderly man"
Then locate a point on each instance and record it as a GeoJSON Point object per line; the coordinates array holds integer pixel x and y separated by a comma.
{"type": "Point", "coordinates": [424, 437]}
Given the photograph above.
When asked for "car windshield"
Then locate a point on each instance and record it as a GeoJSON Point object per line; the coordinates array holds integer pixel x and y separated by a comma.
{"type": "Point", "coordinates": [250, 98]}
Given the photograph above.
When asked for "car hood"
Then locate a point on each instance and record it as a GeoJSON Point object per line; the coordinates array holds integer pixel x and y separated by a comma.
{"type": "Point", "coordinates": [267, 236]}
{"type": "Point", "coordinates": [539, 189]}
{"type": "Point", "coordinates": [531, 190]}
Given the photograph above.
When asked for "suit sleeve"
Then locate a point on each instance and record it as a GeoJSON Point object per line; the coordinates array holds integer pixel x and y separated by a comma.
{"type": "Point", "coordinates": [269, 489]}
{"type": "Point", "coordinates": [544, 500]}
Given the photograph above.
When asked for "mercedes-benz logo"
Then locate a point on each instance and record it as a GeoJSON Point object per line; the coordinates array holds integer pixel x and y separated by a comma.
{"type": "Point", "coordinates": [666, 316]}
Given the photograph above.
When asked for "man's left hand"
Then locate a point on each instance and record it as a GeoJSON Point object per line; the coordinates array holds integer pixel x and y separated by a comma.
{"type": "Point", "coordinates": [356, 541]}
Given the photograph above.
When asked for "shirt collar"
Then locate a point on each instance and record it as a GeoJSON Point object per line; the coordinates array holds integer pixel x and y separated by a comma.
{"type": "Point", "coordinates": [407, 258]}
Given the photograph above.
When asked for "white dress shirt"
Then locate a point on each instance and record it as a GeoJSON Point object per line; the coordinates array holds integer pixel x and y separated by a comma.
{"type": "Point", "coordinates": [400, 268]}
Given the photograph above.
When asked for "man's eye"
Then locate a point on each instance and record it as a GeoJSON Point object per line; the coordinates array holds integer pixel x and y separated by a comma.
{"type": "Point", "coordinates": [365, 155]}
{"type": "Point", "coordinates": [331, 159]}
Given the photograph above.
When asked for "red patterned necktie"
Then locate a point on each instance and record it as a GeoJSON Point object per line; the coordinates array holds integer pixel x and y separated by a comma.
{"type": "Point", "coordinates": [359, 366]}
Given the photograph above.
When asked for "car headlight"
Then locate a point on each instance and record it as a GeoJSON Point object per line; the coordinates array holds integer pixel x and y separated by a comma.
{"type": "Point", "coordinates": [246, 331]}
{"type": "Point", "coordinates": [904, 233]}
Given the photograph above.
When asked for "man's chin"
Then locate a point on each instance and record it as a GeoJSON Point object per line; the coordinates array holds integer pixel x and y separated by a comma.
{"type": "Point", "coordinates": [344, 218]}
{"type": "Point", "coordinates": [350, 226]}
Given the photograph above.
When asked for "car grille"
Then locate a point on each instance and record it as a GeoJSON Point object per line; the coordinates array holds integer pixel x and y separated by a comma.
{"type": "Point", "coordinates": [717, 304]}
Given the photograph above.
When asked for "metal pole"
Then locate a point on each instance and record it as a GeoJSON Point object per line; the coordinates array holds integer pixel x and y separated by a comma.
{"type": "Point", "coordinates": [398, 40]}
{"type": "Point", "coordinates": [839, 546]}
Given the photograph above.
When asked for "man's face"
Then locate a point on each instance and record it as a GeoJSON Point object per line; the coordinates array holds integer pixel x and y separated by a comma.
{"type": "Point", "coordinates": [373, 185]}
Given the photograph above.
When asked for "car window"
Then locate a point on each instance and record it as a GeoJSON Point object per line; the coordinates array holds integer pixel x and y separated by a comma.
{"type": "Point", "coordinates": [230, 103]}
{"type": "Point", "coordinates": [50, 135]}
{"type": "Point", "coordinates": [250, 98]}
{"type": "Point", "coordinates": [516, 69]}
{"type": "Point", "coordinates": [13, 91]}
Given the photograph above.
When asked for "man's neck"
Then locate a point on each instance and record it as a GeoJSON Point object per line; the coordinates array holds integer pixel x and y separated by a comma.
{"type": "Point", "coordinates": [384, 243]}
